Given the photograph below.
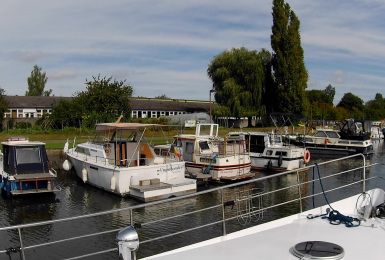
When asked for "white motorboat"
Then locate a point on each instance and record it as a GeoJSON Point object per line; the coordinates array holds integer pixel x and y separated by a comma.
{"type": "Point", "coordinates": [208, 156]}
{"type": "Point", "coordinates": [350, 228]}
{"type": "Point", "coordinates": [327, 141]}
{"type": "Point", "coordinates": [120, 160]}
{"type": "Point", "coordinates": [308, 235]}
{"type": "Point", "coordinates": [269, 153]}
{"type": "Point", "coordinates": [376, 133]}
{"type": "Point", "coordinates": [25, 169]}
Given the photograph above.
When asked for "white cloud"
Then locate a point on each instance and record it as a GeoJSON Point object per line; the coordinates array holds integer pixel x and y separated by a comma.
{"type": "Point", "coordinates": [164, 47]}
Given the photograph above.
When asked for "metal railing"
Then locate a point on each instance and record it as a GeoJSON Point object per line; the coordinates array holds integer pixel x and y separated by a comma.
{"type": "Point", "coordinates": [195, 212]}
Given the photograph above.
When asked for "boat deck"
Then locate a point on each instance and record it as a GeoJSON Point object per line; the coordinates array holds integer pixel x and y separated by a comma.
{"type": "Point", "coordinates": [275, 239]}
{"type": "Point", "coordinates": [150, 187]}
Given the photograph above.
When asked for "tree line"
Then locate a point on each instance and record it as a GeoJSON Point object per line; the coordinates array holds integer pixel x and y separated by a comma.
{"type": "Point", "coordinates": [246, 83]}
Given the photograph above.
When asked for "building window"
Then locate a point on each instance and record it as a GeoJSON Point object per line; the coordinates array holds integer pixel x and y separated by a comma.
{"type": "Point", "coordinates": [134, 114]}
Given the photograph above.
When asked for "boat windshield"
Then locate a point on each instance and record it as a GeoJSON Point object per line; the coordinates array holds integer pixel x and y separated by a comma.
{"type": "Point", "coordinates": [28, 155]}
{"type": "Point", "coordinates": [275, 139]}
{"type": "Point", "coordinates": [332, 134]}
{"type": "Point", "coordinates": [204, 145]}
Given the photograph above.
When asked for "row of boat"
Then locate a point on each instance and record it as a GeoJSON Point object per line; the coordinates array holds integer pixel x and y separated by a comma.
{"type": "Point", "coordinates": [122, 161]}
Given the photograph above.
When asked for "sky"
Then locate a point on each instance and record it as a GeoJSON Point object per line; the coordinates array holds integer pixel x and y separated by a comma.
{"type": "Point", "coordinates": [165, 46]}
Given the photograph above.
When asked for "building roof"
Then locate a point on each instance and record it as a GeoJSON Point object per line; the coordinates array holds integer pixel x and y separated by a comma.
{"type": "Point", "coordinates": [145, 104]}
{"type": "Point", "coordinates": [169, 105]}
{"type": "Point", "coordinates": [32, 101]}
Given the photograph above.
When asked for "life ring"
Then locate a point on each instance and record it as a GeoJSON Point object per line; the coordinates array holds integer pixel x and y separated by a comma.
{"type": "Point", "coordinates": [306, 156]}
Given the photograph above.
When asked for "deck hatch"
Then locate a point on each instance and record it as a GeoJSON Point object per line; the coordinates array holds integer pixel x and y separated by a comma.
{"type": "Point", "coordinates": [317, 250]}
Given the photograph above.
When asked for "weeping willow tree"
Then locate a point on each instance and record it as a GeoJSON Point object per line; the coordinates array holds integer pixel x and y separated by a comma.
{"type": "Point", "coordinates": [238, 77]}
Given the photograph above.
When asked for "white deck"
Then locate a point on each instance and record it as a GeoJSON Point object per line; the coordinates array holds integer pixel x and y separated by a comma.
{"type": "Point", "coordinates": [273, 240]}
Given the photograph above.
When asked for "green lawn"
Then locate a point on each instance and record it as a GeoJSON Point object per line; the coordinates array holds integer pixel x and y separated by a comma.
{"type": "Point", "coordinates": [56, 139]}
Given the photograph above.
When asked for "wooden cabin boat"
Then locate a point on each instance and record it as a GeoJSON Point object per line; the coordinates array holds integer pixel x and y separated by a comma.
{"type": "Point", "coordinates": [25, 168]}
{"type": "Point", "coordinates": [121, 161]}
{"type": "Point", "coordinates": [209, 156]}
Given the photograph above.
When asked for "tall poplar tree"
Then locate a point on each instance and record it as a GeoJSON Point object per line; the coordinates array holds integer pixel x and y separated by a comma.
{"type": "Point", "coordinates": [290, 74]}
{"type": "Point", "coordinates": [36, 83]}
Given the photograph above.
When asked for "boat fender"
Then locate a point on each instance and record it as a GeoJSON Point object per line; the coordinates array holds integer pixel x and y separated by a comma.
{"type": "Point", "coordinates": [67, 165]}
{"type": "Point", "coordinates": [269, 165]}
{"type": "Point", "coordinates": [113, 182]}
{"type": "Point", "coordinates": [306, 156]}
{"type": "Point", "coordinates": [280, 160]}
{"type": "Point", "coordinates": [65, 148]}
{"type": "Point", "coordinates": [84, 175]}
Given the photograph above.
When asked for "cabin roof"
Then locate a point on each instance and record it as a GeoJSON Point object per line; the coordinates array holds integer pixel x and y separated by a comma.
{"type": "Point", "coordinates": [22, 143]}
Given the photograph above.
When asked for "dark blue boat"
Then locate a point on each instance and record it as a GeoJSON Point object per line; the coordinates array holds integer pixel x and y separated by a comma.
{"type": "Point", "coordinates": [25, 168]}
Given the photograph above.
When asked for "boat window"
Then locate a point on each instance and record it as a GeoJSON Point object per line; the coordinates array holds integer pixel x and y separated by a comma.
{"type": "Point", "coordinates": [269, 152]}
{"type": "Point", "coordinates": [332, 134]}
{"type": "Point", "coordinates": [320, 134]}
{"type": "Point", "coordinates": [257, 144]}
{"type": "Point", "coordinates": [204, 145]}
{"type": "Point", "coordinates": [83, 150]}
{"type": "Point", "coordinates": [276, 139]}
{"type": "Point", "coordinates": [27, 155]}
{"type": "Point", "coordinates": [283, 153]}
{"type": "Point", "coordinates": [343, 142]}
{"type": "Point", "coordinates": [356, 142]}
{"type": "Point", "coordinates": [189, 147]}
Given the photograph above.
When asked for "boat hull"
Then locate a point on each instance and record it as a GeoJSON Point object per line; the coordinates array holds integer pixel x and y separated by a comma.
{"type": "Point", "coordinates": [234, 167]}
{"type": "Point", "coordinates": [142, 182]}
{"type": "Point", "coordinates": [266, 163]}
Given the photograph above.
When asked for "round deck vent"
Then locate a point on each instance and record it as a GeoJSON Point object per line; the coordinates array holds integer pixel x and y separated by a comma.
{"type": "Point", "coordinates": [317, 250]}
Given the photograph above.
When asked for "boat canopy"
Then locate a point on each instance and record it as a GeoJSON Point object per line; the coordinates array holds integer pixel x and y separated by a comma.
{"type": "Point", "coordinates": [25, 158]}
{"type": "Point", "coordinates": [122, 126]}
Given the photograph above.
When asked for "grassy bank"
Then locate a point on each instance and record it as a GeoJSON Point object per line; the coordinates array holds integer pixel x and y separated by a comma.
{"type": "Point", "coordinates": [55, 139]}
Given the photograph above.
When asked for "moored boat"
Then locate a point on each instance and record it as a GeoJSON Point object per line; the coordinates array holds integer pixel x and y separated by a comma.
{"type": "Point", "coordinates": [209, 156]}
{"type": "Point", "coordinates": [121, 161]}
{"type": "Point", "coordinates": [25, 168]}
{"type": "Point", "coordinates": [327, 141]}
{"type": "Point", "coordinates": [376, 133]}
{"type": "Point", "coordinates": [269, 153]}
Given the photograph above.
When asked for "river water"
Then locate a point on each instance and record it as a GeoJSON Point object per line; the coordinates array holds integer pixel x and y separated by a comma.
{"type": "Point", "coordinates": [76, 198]}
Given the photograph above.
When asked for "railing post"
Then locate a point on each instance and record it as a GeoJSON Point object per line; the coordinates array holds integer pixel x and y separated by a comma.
{"type": "Point", "coordinates": [131, 219]}
{"type": "Point", "coordinates": [299, 192]}
{"type": "Point", "coordinates": [223, 214]}
{"type": "Point", "coordinates": [21, 245]}
{"type": "Point", "coordinates": [364, 173]}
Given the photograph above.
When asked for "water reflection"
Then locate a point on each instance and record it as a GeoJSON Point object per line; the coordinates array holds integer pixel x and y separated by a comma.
{"type": "Point", "coordinates": [77, 198]}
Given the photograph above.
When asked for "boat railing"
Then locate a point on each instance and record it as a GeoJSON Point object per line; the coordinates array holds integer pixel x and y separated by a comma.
{"type": "Point", "coordinates": [220, 211]}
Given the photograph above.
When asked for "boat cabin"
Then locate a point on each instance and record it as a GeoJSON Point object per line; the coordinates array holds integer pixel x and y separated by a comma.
{"type": "Point", "coordinates": [256, 142]}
